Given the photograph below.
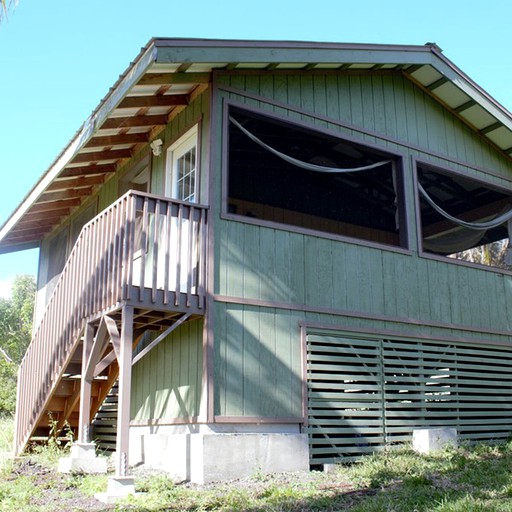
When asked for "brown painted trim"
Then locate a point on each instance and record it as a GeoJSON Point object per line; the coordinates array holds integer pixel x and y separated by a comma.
{"type": "Point", "coordinates": [186, 420]}
{"type": "Point", "coordinates": [307, 231]}
{"type": "Point", "coordinates": [380, 333]}
{"type": "Point", "coordinates": [209, 337]}
{"type": "Point", "coordinates": [462, 263]}
{"type": "Point", "coordinates": [355, 314]}
{"type": "Point", "coordinates": [304, 374]}
{"type": "Point", "coordinates": [225, 161]}
{"type": "Point", "coordinates": [438, 257]}
{"type": "Point", "coordinates": [358, 129]}
{"type": "Point", "coordinates": [416, 199]}
{"type": "Point", "coordinates": [256, 419]}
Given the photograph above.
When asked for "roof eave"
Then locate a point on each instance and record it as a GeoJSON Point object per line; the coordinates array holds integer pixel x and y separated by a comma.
{"type": "Point", "coordinates": [144, 60]}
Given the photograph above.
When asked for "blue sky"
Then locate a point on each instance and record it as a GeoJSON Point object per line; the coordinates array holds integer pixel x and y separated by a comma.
{"type": "Point", "coordinates": [59, 58]}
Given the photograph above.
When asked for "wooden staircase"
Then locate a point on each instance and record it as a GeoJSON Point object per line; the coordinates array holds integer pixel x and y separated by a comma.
{"type": "Point", "coordinates": [139, 265]}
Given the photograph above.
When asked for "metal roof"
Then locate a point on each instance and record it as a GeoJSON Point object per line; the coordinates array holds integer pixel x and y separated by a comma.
{"type": "Point", "coordinates": [169, 73]}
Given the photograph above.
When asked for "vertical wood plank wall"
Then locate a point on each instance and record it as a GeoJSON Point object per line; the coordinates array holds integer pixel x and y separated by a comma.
{"type": "Point", "coordinates": [257, 349]}
{"type": "Point", "coordinates": [167, 381]}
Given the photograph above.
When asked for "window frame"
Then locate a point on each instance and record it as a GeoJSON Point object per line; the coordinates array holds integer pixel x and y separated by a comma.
{"type": "Point", "coordinates": [450, 171]}
{"type": "Point", "coordinates": [179, 148]}
{"type": "Point", "coordinates": [397, 167]}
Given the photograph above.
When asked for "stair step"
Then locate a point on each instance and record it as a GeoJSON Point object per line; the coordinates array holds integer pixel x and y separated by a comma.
{"type": "Point", "coordinates": [104, 438]}
{"type": "Point", "coordinates": [108, 408]}
{"type": "Point", "coordinates": [105, 430]}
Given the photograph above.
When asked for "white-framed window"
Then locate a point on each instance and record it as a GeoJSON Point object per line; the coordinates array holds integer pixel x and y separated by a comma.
{"type": "Point", "coordinates": [181, 168]}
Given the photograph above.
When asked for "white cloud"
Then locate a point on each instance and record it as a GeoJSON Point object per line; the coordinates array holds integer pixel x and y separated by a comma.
{"type": "Point", "coordinates": [5, 288]}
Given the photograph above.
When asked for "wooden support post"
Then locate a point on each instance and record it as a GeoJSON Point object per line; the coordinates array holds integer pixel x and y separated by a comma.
{"type": "Point", "coordinates": [125, 379]}
{"type": "Point", "coordinates": [85, 387]}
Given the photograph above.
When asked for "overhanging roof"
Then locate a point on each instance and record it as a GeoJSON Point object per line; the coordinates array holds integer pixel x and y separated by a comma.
{"type": "Point", "coordinates": [169, 73]}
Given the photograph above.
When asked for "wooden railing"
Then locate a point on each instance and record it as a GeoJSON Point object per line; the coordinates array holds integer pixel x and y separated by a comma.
{"type": "Point", "coordinates": [141, 249]}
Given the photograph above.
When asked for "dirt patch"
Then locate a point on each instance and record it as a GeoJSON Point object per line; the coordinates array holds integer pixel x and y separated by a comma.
{"type": "Point", "coordinates": [55, 491]}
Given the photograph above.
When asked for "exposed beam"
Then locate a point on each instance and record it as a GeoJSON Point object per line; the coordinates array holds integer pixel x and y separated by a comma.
{"type": "Point", "coordinates": [437, 83]}
{"type": "Point", "coordinates": [57, 205]}
{"type": "Point", "coordinates": [169, 100]}
{"type": "Point", "coordinates": [117, 140]}
{"type": "Point", "coordinates": [174, 78]}
{"type": "Point", "coordinates": [114, 154]}
{"type": "Point", "coordinates": [26, 236]}
{"type": "Point", "coordinates": [491, 128]}
{"type": "Point", "coordinates": [69, 406]}
{"type": "Point", "coordinates": [113, 333]}
{"type": "Point", "coordinates": [88, 169]}
{"type": "Point", "coordinates": [105, 362]}
{"type": "Point", "coordinates": [465, 106]}
{"type": "Point", "coordinates": [97, 348]}
{"type": "Point", "coordinates": [49, 216]}
{"type": "Point", "coordinates": [64, 194]}
{"type": "Point", "coordinates": [66, 183]}
{"type": "Point", "coordinates": [413, 68]}
{"type": "Point", "coordinates": [39, 226]}
{"type": "Point", "coordinates": [130, 122]}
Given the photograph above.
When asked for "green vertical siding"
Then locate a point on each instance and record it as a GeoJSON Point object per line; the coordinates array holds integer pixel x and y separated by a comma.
{"type": "Point", "coordinates": [258, 349]}
{"type": "Point", "coordinates": [259, 262]}
{"type": "Point", "coordinates": [257, 362]}
{"type": "Point", "coordinates": [166, 383]}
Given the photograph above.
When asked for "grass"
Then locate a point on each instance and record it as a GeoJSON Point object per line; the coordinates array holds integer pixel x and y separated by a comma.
{"type": "Point", "coordinates": [469, 479]}
{"type": "Point", "coordinates": [6, 434]}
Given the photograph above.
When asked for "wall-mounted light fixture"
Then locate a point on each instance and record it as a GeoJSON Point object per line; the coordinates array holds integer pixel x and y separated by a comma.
{"type": "Point", "coordinates": [156, 147]}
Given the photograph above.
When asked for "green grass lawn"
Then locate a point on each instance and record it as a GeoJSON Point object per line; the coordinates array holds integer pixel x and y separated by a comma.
{"type": "Point", "coordinates": [468, 479]}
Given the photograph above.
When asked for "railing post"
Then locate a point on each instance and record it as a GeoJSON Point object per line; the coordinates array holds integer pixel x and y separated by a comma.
{"type": "Point", "coordinates": [85, 387]}
{"type": "Point", "coordinates": [125, 380]}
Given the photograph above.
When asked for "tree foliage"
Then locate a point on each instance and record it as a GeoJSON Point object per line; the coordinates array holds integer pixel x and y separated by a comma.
{"type": "Point", "coordinates": [493, 255]}
{"type": "Point", "coordinates": [15, 335]}
{"type": "Point", "coordinates": [5, 6]}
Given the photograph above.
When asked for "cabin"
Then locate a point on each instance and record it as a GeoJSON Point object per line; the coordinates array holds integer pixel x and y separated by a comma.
{"type": "Point", "coordinates": [268, 255]}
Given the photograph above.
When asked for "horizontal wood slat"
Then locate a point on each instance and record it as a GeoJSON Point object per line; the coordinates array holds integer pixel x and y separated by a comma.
{"type": "Point", "coordinates": [364, 395]}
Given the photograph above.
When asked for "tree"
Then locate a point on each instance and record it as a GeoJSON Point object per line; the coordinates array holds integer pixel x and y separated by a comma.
{"type": "Point", "coordinates": [15, 335]}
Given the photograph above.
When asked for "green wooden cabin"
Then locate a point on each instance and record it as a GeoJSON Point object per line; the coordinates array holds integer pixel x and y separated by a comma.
{"type": "Point", "coordinates": [245, 247]}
